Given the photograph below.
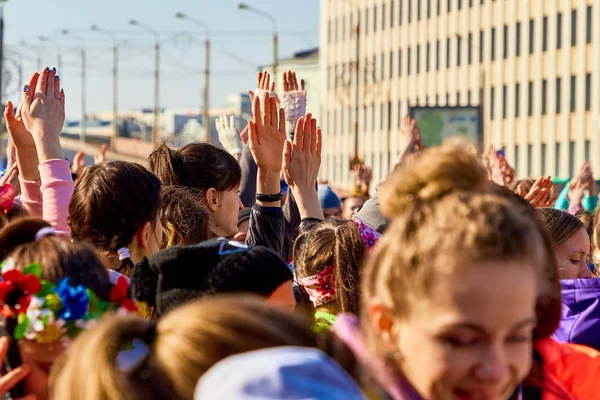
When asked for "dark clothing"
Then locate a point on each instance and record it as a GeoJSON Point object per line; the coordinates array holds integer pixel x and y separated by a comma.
{"type": "Point", "coordinates": [266, 228]}
{"type": "Point", "coordinates": [248, 182]}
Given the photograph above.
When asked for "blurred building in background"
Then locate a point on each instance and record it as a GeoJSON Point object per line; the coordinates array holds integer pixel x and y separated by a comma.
{"type": "Point", "coordinates": [532, 66]}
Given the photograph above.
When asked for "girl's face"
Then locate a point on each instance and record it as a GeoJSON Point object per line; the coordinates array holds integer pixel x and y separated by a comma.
{"type": "Point", "coordinates": [224, 219]}
{"type": "Point", "coordinates": [472, 337]}
{"type": "Point", "coordinates": [573, 255]}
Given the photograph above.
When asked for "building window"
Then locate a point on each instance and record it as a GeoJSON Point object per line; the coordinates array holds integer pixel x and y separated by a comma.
{"type": "Point", "coordinates": [587, 149]}
{"type": "Point", "coordinates": [447, 99]}
{"type": "Point", "coordinates": [391, 64]}
{"type": "Point", "coordinates": [392, 14]}
{"type": "Point", "coordinates": [400, 62]}
{"type": "Point", "coordinates": [400, 12]}
{"type": "Point", "coordinates": [588, 25]}
{"type": "Point", "coordinates": [410, 10]}
{"type": "Point", "coordinates": [558, 94]}
{"type": "Point", "coordinates": [470, 48]}
{"type": "Point", "coordinates": [557, 163]}
{"type": "Point", "coordinates": [458, 53]}
{"type": "Point", "coordinates": [382, 66]}
{"type": "Point", "coordinates": [573, 92]}
{"type": "Point", "coordinates": [459, 4]}
{"type": "Point", "coordinates": [336, 31]}
{"type": "Point", "coordinates": [374, 68]}
{"type": "Point", "coordinates": [427, 57]}
{"type": "Point", "coordinates": [342, 120]}
{"type": "Point", "coordinates": [389, 116]}
{"type": "Point", "coordinates": [408, 61]}
{"type": "Point", "coordinates": [545, 34]}
{"type": "Point", "coordinates": [505, 42]}
{"type": "Point", "coordinates": [449, 6]}
{"type": "Point", "coordinates": [544, 156]}
{"type": "Point", "coordinates": [559, 31]}
{"type": "Point", "coordinates": [492, 98]}
{"type": "Point", "coordinates": [588, 93]}
{"type": "Point", "coordinates": [518, 37]}
{"type": "Point", "coordinates": [530, 97]}
{"type": "Point", "coordinates": [381, 117]}
{"type": "Point", "coordinates": [335, 76]}
{"type": "Point", "coordinates": [418, 56]}
{"type": "Point", "coordinates": [517, 99]}
{"type": "Point", "coordinates": [544, 92]}
{"type": "Point", "coordinates": [437, 55]}
{"type": "Point", "coordinates": [374, 18]}
{"type": "Point", "coordinates": [448, 53]}
{"type": "Point", "coordinates": [481, 46]}
{"type": "Point", "coordinates": [573, 27]}
{"type": "Point", "coordinates": [428, 9]}
{"type": "Point", "coordinates": [531, 35]}
{"type": "Point", "coordinates": [469, 98]}
{"type": "Point", "coordinates": [365, 118]}
{"type": "Point", "coordinates": [329, 31]}
{"type": "Point", "coordinates": [399, 114]}
{"type": "Point", "coordinates": [529, 159]}
{"type": "Point", "coordinates": [334, 122]}
{"type": "Point", "coordinates": [493, 46]}
{"type": "Point", "coordinates": [418, 10]}
{"type": "Point", "coordinates": [367, 21]}
{"type": "Point", "coordinates": [504, 94]}
{"type": "Point", "coordinates": [373, 117]}
{"type": "Point", "coordinates": [383, 20]}
{"type": "Point", "coordinates": [439, 7]}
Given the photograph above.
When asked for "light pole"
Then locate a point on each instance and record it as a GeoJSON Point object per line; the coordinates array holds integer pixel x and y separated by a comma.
{"type": "Point", "coordinates": [115, 132]}
{"type": "Point", "coordinates": [155, 131]}
{"type": "Point", "coordinates": [244, 6]}
{"type": "Point", "coordinates": [83, 94]}
{"type": "Point", "coordinates": [205, 117]}
{"type": "Point", "coordinates": [37, 49]}
{"type": "Point", "coordinates": [59, 64]}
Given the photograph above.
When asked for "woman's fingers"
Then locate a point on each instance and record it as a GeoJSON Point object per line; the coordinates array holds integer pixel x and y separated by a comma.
{"type": "Point", "coordinates": [299, 135]}
{"type": "Point", "coordinates": [313, 136]}
{"type": "Point", "coordinates": [57, 87]}
{"type": "Point", "coordinates": [285, 83]}
{"type": "Point", "coordinates": [51, 83]}
{"type": "Point", "coordinates": [307, 134]}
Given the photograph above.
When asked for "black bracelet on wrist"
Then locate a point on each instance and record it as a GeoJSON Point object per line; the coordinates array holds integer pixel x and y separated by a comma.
{"type": "Point", "coordinates": [269, 198]}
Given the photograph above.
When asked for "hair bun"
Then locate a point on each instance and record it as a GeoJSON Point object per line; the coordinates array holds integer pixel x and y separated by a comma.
{"type": "Point", "coordinates": [436, 173]}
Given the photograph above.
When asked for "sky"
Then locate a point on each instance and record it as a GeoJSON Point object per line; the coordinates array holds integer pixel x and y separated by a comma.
{"type": "Point", "coordinates": [241, 41]}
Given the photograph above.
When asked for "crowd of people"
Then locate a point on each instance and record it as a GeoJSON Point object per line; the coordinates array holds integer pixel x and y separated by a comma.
{"type": "Point", "coordinates": [231, 272]}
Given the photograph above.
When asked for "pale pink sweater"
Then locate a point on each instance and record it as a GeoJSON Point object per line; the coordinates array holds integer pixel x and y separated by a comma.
{"type": "Point", "coordinates": [49, 197]}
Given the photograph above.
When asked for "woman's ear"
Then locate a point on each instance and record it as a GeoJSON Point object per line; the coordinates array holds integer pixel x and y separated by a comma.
{"type": "Point", "coordinates": [382, 321]}
{"type": "Point", "coordinates": [143, 235]}
{"type": "Point", "coordinates": [212, 199]}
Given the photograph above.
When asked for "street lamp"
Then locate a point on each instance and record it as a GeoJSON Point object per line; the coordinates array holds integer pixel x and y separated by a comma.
{"type": "Point", "coordinates": [244, 6]}
{"type": "Point", "coordinates": [205, 117]}
{"type": "Point", "coordinates": [155, 132]}
{"type": "Point", "coordinates": [59, 64]}
{"type": "Point", "coordinates": [115, 133]}
{"type": "Point", "coordinates": [83, 95]}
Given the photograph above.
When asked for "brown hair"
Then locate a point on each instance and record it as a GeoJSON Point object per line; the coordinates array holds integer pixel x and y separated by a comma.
{"type": "Point", "coordinates": [57, 257]}
{"type": "Point", "coordinates": [184, 220]}
{"type": "Point", "coordinates": [110, 203]}
{"type": "Point", "coordinates": [445, 212]}
{"type": "Point", "coordinates": [333, 243]}
{"type": "Point", "coordinates": [561, 225]}
{"type": "Point", "coordinates": [198, 165]}
{"type": "Point", "coordinates": [183, 345]}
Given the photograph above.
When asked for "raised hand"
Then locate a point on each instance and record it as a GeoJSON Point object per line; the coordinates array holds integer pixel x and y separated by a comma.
{"type": "Point", "coordinates": [100, 157]}
{"type": "Point", "coordinates": [78, 165]}
{"type": "Point", "coordinates": [407, 136]}
{"type": "Point", "coordinates": [294, 100]}
{"type": "Point", "coordinates": [301, 164]}
{"type": "Point", "coordinates": [496, 174]}
{"type": "Point", "coordinates": [541, 193]}
{"type": "Point", "coordinates": [228, 134]}
{"type": "Point", "coordinates": [12, 378]}
{"type": "Point", "coordinates": [264, 84]}
{"type": "Point", "coordinates": [267, 133]}
{"type": "Point", "coordinates": [507, 170]}
{"type": "Point", "coordinates": [43, 113]}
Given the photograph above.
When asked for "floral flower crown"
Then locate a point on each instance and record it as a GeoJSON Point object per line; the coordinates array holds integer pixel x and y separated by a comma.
{"type": "Point", "coordinates": [42, 311]}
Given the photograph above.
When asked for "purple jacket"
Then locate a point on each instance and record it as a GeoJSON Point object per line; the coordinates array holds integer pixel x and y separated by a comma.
{"type": "Point", "coordinates": [580, 322]}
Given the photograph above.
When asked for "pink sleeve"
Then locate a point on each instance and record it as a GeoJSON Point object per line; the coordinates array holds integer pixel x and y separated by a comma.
{"type": "Point", "coordinates": [57, 190]}
{"type": "Point", "coordinates": [31, 197]}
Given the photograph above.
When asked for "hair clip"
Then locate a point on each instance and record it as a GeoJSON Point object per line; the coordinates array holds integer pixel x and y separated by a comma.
{"type": "Point", "coordinates": [47, 231]}
{"type": "Point", "coordinates": [123, 253]}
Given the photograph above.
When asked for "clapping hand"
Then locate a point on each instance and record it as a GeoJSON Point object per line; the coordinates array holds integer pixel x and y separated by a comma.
{"type": "Point", "coordinates": [541, 193]}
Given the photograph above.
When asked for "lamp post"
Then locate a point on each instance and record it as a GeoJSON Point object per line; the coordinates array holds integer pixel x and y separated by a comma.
{"type": "Point", "coordinates": [155, 128]}
{"type": "Point", "coordinates": [83, 77]}
{"type": "Point", "coordinates": [115, 132]}
{"type": "Point", "coordinates": [244, 6]}
{"type": "Point", "coordinates": [205, 116]}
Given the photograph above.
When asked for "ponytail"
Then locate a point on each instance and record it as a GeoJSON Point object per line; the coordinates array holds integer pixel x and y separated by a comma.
{"type": "Point", "coordinates": [97, 369]}
{"type": "Point", "coordinates": [349, 253]}
{"type": "Point", "coordinates": [164, 162]}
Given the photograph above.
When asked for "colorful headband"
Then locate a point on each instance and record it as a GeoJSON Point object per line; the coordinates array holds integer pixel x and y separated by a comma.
{"type": "Point", "coordinates": [7, 198]}
{"type": "Point", "coordinates": [46, 312]}
{"type": "Point", "coordinates": [320, 286]}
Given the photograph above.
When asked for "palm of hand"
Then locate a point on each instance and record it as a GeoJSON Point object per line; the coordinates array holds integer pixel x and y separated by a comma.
{"type": "Point", "coordinates": [268, 149]}
{"type": "Point", "coordinates": [16, 128]}
{"type": "Point", "coordinates": [45, 115]}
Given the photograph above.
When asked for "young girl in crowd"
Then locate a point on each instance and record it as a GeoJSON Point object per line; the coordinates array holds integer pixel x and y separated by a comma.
{"type": "Point", "coordinates": [327, 260]}
{"type": "Point", "coordinates": [458, 289]}
{"type": "Point", "coordinates": [580, 293]}
{"type": "Point", "coordinates": [116, 207]}
{"type": "Point", "coordinates": [179, 349]}
{"type": "Point", "coordinates": [184, 220]}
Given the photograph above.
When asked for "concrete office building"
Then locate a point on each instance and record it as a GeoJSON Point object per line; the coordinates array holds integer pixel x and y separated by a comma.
{"type": "Point", "coordinates": [534, 67]}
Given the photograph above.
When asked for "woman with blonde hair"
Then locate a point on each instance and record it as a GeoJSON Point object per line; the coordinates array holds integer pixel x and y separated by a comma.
{"type": "Point", "coordinates": [460, 296]}
{"type": "Point", "coordinates": [168, 357]}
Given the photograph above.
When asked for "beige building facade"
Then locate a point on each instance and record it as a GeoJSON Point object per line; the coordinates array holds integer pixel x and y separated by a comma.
{"type": "Point", "coordinates": [533, 66]}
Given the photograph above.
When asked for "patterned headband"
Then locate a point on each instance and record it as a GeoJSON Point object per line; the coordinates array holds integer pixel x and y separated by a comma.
{"type": "Point", "coordinates": [320, 286]}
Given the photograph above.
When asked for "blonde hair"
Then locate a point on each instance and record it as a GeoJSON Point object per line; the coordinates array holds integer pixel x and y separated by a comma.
{"type": "Point", "coordinates": [183, 345]}
{"type": "Point", "coordinates": [338, 244]}
{"type": "Point", "coordinates": [445, 214]}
